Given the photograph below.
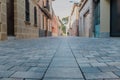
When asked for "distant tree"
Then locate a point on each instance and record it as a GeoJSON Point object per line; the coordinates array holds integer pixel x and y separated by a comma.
{"type": "Point", "coordinates": [64, 29]}
{"type": "Point", "coordinates": [65, 20]}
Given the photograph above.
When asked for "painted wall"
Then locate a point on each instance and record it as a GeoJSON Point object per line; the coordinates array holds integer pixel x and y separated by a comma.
{"type": "Point", "coordinates": [86, 19]}
{"type": "Point", "coordinates": [3, 20]}
{"type": "Point", "coordinates": [104, 18]}
{"type": "Point", "coordinates": [55, 26]}
{"type": "Point", "coordinates": [74, 21]}
{"type": "Point", "coordinates": [46, 23]}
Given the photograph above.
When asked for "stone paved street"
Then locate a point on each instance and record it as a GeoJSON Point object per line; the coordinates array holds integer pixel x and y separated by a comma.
{"type": "Point", "coordinates": [62, 58]}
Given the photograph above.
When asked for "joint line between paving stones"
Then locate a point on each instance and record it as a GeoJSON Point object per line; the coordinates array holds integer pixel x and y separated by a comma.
{"type": "Point", "coordinates": [50, 62]}
{"type": "Point", "coordinates": [76, 61]}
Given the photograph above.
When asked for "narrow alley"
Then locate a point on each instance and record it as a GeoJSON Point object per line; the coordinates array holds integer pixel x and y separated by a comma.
{"type": "Point", "coordinates": [60, 58]}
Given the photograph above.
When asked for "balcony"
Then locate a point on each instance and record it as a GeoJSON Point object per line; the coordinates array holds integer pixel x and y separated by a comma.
{"type": "Point", "coordinates": [46, 12]}
{"type": "Point", "coordinates": [45, 9]}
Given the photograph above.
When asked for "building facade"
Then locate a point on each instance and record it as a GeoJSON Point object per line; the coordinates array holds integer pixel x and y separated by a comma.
{"type": "Point", "coordinates": [21, 19]}
{"type": "Point", "coordinates": [25, 19]}
{"type": "Point", "coordinates": [94, 18]}
{"type": "Point", "coordinates": [74, 21]}
{"type": "Point", "coordinates": [45, 17]}
{"type": "Point", "coordinates": [55, 25]}
{"type": "Point", "coordinates": [86, 18]}
{"type": "Point", "coordinates": [102, 18]}
{"type": "Point", "coordinates": [3, 20]}
{"type": "Point", "coordinates": [60, 32]}
{"type": "Point", "coordinates": [108, 18]}
{"type": "Point", "coordinates": [18, 19]}
{"type": "Point", "coordinates": [97, 18]}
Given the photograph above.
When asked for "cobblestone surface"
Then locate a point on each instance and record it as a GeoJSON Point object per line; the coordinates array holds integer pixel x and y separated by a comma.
{"type": "Point", "coordinates": [62, 58]}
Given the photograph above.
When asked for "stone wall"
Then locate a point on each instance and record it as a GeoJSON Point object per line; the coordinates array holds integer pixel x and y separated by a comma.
{"type": "Point", "coordinates": [3, 20]}
{"type": "Point", "coordinates": [24, 29]}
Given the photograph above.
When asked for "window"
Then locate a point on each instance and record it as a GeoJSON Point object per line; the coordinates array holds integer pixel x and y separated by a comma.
{"type": "Point", "coordinates": [27, 10]}
{"type": "Point", "coordinates": [35, 15]}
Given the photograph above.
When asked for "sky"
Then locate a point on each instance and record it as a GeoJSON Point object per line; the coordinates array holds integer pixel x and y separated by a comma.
{"type": "Point", "coordinates": [62, 8]}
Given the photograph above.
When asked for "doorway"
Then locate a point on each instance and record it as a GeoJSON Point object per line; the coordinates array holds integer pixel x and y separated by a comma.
{"type": "Point", "coordinates": [115, 18]}
{"type": "Point", "coordinates": [97, 19]}
{"type": "Point", "coordinates": [10, 17]}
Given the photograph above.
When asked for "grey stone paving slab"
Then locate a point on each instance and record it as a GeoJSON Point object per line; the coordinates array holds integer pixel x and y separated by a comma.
{"type": "Point", "coordinates": [87, 61]}
{"type": "Point", "coordinates": [63, 73]}
{"type": "Point", "coordinates": [44, 61]}
{"type": "Point", "coordinates": [114, 63]}
{"type": "Point", "coordinates": [61, 79]}
{"type": "Point", "coordinates": [30, 64]}
{"type": "Point", "coordinates": [64, 61]}
{"type": "Point", "coordinates": [19, 68]}
{"type": "Point", "coordinates": [6, 74]}
{"type": "Point", "coordinates": [63, 64]}
{"type": "Point", "coordinates": [64, 54]}
{"type": "Point", "coordinates": [101, 75]}
{"type": "Point", "coordinates": [90, 69]}
{"type": "Point", "coordinates": [117, 67]}
{"type": "Point", "coordinates": [33, 75]}
{"type": "Point", "coordinates": [104, 61]}
{"type": "Point", "coordinates": [64, 58]}
{"type": "Point", "coordinates": [95, 79]}
{"type": "Point", "coordinates": [108, 69]}
{"type": "Point", "coordinates": [85, 65]}
{"type": "Point", "coordinates": [32, 79]}
{"type": "Point", "coordinates": [112, 79]}
{"type": "Point", "coordinates": [11, 79]}
{"type": "Point", "coordinates": [37, 69]}
{"type": "Point", "coordinates": [5, 67]}
{"type": "Point", "coordinates": [13, 63]}
{"type": "Point", "coordinates": [43, 65]}
{"type": "Point", "coordinates": [117, 73]}
{"type": "Point", "coordinates": [98, 64]}
{"type": "Point", "coordinates": [35, 53]}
